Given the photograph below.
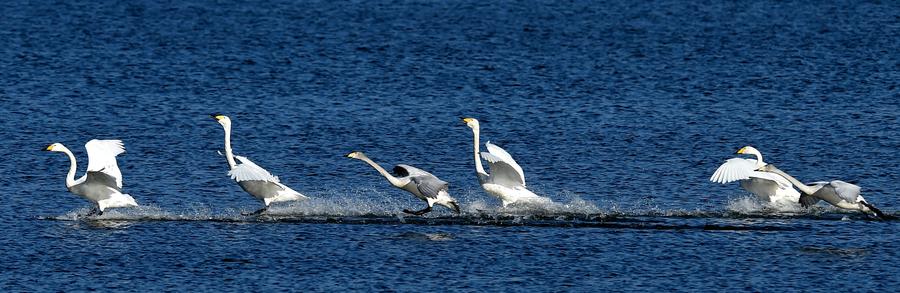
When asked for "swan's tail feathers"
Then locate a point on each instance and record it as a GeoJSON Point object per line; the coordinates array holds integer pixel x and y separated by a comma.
{"type": "Point", "coordinates": [878, 213]}
{"type": "Point", "coordinates": [117, 200]}
{"type": "Point", "coordinates": [130, 200]}
{"type": "Point", "coordinates": [808, 200]}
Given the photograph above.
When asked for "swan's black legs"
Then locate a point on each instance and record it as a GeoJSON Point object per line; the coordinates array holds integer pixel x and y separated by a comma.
{"type": "Point", "coordinates": [417, 213]}
{"type": "Point", "coordinates": [94, 212]}
{"type": "Point", "coordinates": [878, 213]}
{"type": "Point", "coordinates": [257, 212]}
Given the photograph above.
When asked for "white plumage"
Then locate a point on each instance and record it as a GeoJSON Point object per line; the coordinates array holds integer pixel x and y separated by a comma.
{"type": "Point", "coordinates": [247, 170]}
{"type": "Point", "coordinates": [506, 180]}
{"type": "Point", "coordinates": [102, 182]}
{"type": "Point", "coordinates": [767, 186]}
{"type": "Point", "coordinates": [252, 178]}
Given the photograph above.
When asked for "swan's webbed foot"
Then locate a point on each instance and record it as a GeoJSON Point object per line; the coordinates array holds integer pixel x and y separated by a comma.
{"type": "Point", "coordinates": [94, 212]}
{"type": "Point", "coordinates": [419, 212]}
{"type": "Point", "coordinates": [257, 212]}
{"type": "Point", "coordinates": [455, 207]}
{"type": "Point", "coordinates": [876, 213]}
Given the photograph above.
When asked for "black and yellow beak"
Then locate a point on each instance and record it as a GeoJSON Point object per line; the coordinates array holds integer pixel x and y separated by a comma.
{"type": "Point", "coordinates": [466, 120]}
{"type": "Point", "coordinates": [47, 148]}
{"type": "Point", "coordinates": [742, 150]}
{"type": "Point", "coordinates": [217, 116]}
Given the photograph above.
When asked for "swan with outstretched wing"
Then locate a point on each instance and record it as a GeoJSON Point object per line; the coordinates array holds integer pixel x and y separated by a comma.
{"type": "Point", "coordinates": [102, 183]}
{"type": "Point", "coordinates": [421, 184]}
{"type": "Point", "coordinates": [252, 178]}
{"type": "Point", "coordinates": [506, 181]}
{"type": "Point", "coordinates": [767, 186]}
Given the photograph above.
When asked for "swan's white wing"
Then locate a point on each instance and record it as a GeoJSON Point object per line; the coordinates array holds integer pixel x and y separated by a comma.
{"type": "Point", "coordinates": [503, 173]}
{"type": "Point", "coordinates": [102, 157]}
{"type": "Point", "coordinates": [247, 171]}
{"type": "Point", "coordinates": [95, 177]}
{"type": "Point", "coordinates": [847, 191]}
{"type": "Point", "coordinates": [498, 154]}
{"type": "Point", "coordinates": [733, 170]}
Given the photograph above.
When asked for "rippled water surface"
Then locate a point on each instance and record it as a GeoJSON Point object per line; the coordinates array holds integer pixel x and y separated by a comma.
{"type": "Point", "coordinates": [618, 111]}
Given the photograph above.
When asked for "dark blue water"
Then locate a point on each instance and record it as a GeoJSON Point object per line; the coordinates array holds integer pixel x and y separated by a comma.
{"type": "Point", "coordinates": [618, 111]}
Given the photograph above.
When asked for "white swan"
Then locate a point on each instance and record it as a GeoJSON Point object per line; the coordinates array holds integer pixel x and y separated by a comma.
{"type": "Point", "coordinates": [422, 184]}
{"type": "Point", "coordinates": [252, 178]}
{"type": "Point", "coordinates": [838, 193]}
{"type": "Point", "coordinates": [767, 186]}
{"type": "Point", "coordinates": [102, 183]}
{"type": "Point", "coordinates": [506, 180]}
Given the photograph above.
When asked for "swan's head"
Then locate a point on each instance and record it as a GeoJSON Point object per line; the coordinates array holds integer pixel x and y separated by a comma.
{"type": "Point", "coordinates": [356, 155]}
{"type": "Point", "coordinates": [748, 150]}
{"type": "Point", "coordinates": [56, 147]}
{"type": "Point", "coordinates": [222, 119]}
{"type": "Point", "coordinates": [471, 122]}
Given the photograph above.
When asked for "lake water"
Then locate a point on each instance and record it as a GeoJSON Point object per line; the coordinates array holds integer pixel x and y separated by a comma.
{"type": "Point", "coordinates": [619, 111]}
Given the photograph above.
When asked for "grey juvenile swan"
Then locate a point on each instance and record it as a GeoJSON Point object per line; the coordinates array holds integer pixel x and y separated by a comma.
{"type": "Point", "coordinates": [838, 193]}
{"type": "Point", "coordinates": [422, 184]}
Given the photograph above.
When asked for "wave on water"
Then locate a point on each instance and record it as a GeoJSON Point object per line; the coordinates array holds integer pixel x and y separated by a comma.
{"type": "Point", "coordinates": [573, 213]}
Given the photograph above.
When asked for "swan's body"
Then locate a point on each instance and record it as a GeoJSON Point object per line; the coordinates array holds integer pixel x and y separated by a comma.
{"type": "Point", "coordinates": [102, 183]}
{"type": "Point", "coordinates": [767, 186]}
{"type": "Point", "coordinates": [252, 178]}
{"type": "Point", "coordinates": [421, 184]}
{"type": "Point", "coordinates": [506, 180]}
{"type": "Point", "coordinates": [838, 193]}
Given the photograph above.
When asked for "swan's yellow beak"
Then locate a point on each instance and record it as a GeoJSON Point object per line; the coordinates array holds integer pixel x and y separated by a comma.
{"type": "Point", "coordinates": [467, 120]}
{"type": "Point", "coordinates": [48, 148]}
{"type": "Point", "coordinates": [742, 150]}
{"type": "Point", "coordinates": [217, 116]}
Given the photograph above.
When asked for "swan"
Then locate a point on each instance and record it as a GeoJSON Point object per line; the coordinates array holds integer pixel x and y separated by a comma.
{"type": "Point", "coordinates": [252, 178]}
{"type": "Point", "coordinates": [422, 184]}
{"type": "Point", "coordinates": [506, 180]}
{"type": "Point", "coordinates": [767, 186]}
{"type": "Point", "coordinates": [102, 182]}
{"type": "Point", "coordinates": [838, 193]}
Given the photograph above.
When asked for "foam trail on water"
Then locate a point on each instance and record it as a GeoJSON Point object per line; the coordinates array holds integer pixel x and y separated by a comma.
{"type": "Point", "coordinates": [382, 205]}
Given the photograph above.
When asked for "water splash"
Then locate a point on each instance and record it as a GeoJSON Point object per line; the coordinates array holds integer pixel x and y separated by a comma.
{"type": "Point", "coordinates": [373, 206]}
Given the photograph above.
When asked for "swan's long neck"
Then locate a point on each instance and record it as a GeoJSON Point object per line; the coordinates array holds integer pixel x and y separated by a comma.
{"type": "Point", "coordinates": [759, 159]}
{"type": "Point", "coordinates": [228, 155]}
{"type": "Point", "coordinates": [803, 187]}
{"type": "Point", "coordinates": [70, 178]}
{"type": "Point", "coordinates": [394, 180]}
{"type": "Point", "coordinates": [478, 167]}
